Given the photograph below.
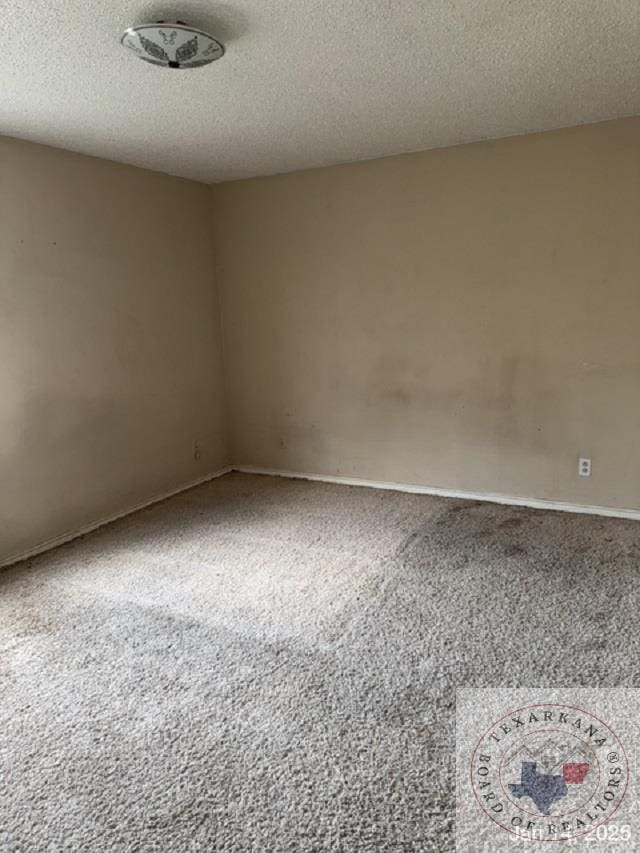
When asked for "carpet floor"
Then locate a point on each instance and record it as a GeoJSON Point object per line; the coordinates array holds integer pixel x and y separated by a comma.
{"type": "Point", "coordinates": [270, 665]}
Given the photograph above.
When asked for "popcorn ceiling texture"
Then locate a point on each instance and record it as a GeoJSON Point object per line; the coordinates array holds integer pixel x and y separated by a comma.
{"type": "Point", "coordinates": [264, 664]}
{"type": "Point", "coordinates": [312, 83]}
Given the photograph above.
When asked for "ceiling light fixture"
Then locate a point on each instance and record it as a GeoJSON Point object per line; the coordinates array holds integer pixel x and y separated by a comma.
{"type": "Point", "coordinates": [172, 45]}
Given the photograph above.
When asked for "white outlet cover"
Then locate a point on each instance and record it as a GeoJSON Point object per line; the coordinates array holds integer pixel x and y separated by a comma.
{"type": "Point", "coordinates": [584, 466]}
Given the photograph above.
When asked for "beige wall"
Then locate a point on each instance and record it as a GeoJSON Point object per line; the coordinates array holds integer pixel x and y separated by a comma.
{"type": "Point", "coordinates": [466, 318]}
{"type": "Point", "coordinates": [109, 343]}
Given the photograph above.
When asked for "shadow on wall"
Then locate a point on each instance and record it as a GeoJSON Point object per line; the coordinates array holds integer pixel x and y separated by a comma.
{"type": "Point", "coordinates": [227, 23]}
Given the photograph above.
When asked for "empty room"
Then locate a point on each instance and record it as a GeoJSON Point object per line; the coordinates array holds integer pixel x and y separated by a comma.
{"type": "Point", "coordinates": [319, 426]}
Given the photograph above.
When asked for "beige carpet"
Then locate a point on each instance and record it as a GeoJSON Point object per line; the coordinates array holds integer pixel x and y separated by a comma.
{"type": "Point", "coordinates": [264, 664]}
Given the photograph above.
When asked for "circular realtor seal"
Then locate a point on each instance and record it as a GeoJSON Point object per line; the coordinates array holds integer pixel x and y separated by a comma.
{"type": "Point", "coordinates": [549, 772]}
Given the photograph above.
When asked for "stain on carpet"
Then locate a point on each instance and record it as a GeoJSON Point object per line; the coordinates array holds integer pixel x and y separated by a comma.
{"type": "Point", "coordinates": [262, 664]}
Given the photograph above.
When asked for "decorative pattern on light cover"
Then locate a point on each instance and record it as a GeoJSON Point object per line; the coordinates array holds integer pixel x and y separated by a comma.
{"type": "Point", "coordinates": [172, 45]}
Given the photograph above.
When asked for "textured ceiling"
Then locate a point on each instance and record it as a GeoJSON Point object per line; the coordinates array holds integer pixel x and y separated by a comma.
{"type": "Point", "coordinates": [312, 82]}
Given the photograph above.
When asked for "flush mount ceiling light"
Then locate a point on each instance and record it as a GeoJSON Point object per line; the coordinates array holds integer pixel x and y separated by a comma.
{"type": "Point", "coordinates": [172, 45]}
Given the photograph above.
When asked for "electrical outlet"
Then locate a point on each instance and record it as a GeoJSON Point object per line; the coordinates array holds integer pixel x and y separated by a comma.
{"type": "Point", "coordinates": [584, 466]}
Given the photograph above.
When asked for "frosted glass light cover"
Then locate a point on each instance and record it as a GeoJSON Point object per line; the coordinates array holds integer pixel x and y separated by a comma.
{"type": "Point", "coordinates": [172, 45]}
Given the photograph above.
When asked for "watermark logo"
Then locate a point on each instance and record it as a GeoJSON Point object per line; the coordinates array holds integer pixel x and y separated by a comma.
{"type": "Point", "coordinates": [549, 772]}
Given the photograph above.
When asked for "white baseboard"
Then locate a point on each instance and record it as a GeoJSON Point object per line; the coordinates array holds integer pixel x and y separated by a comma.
{"type": "Point", "coordinates": [81, 531]}
{"type": "Point", "coordinates": [509, 500]}
{"type": "Point", "coordinates": [414, 488]}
